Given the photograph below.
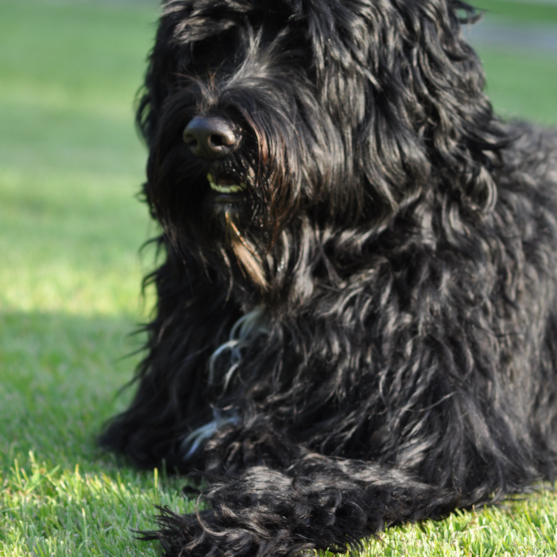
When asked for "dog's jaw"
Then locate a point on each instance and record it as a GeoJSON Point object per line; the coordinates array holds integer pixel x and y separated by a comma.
{"type": "Point", "coordinates": [226, 190]}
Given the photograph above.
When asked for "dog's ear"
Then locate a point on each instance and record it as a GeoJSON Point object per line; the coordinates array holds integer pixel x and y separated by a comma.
{"type": "Point", "coordinates": [161, 70]}
{"type": "Point", "coordinates": [424, 120]}
{"type": "Point", "coordinates": [429, 122]}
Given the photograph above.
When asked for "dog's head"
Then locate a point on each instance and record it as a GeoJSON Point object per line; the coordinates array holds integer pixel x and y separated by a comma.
{"type": "Point", "coordinates": [266, 119]}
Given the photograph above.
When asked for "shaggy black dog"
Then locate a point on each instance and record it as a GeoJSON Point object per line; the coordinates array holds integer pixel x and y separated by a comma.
{"type": "Point", "coordinates": [357, 317]}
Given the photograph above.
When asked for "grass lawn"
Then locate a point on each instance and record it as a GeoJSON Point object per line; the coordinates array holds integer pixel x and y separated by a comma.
{"type": "Point", "coordinates": [70, 229]}
{"type": "Point", "coordinates": [519, 12]}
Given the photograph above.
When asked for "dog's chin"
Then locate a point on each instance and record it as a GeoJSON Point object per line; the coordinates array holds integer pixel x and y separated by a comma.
{"type": "Point", "coordinates": [221, 207]}
{"type": "Point", "coordinates": [226, 202]}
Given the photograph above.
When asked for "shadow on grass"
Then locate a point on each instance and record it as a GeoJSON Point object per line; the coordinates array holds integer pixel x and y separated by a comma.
{"type": "Point", "coordinates": [59, 493]}
{"type": "Point", "coordinates": [60, 380]}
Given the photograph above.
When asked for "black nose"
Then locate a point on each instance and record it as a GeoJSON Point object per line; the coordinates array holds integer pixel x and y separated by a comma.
{"type": "Point", "coordinates": [210, 137]}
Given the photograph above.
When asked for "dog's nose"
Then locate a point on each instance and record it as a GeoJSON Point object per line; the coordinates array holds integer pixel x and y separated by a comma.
{"type": "Point", "coordinates": [210, 137]}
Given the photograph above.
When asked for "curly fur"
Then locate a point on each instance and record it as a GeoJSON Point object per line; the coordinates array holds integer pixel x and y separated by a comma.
{"type": "Point", "coordinates": [368, 338]}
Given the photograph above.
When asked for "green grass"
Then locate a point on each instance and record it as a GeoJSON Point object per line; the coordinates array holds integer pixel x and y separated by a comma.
{"type": "Point", "coordinates": [520, 85]}
{"type": "Point", "coordinates": [70, 229]}
{"type": "Point", "coordinates": [519, 12]}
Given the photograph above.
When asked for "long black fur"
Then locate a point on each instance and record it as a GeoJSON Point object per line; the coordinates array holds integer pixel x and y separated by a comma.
{"type": "Point", "coordinates": [395, 256]}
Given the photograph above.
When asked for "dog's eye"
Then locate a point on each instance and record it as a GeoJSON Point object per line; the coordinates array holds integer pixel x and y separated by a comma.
{"type": "Point", "coordinates": [213, 52]}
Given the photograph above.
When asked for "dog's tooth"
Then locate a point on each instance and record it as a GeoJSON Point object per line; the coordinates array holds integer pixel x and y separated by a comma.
{"type": "Point", "coordinates": [229, 188]}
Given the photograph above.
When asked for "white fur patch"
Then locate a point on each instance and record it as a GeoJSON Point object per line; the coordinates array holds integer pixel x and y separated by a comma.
{"type": "Point", "coordinates": [242, 334]}
{"type": "Point", "coordinates": [191, 443]}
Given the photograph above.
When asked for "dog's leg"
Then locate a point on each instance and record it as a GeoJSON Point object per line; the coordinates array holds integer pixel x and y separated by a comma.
{"type": "Point", "coordinates": [173, 397]}
{"type": "Point", "coordinates": [316, 503]}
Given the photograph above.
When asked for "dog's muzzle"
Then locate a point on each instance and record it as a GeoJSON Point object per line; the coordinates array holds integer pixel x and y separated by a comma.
{"type": "Point", "coordinates": [213, 138]}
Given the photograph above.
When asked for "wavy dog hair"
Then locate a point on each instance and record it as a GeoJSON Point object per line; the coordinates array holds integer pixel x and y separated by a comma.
{"type": "Point", "coordinates": [367, 334]}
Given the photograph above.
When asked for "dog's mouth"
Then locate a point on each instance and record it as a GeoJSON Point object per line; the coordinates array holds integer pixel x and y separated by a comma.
{"type": "Point", "coordinates": [226, 189]}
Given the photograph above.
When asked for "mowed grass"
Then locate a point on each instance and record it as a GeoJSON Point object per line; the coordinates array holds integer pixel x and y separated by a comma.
{"type": "Point", "coordinates": [70, 229]}
{"type": "Point", "coordinates": [519, 12]}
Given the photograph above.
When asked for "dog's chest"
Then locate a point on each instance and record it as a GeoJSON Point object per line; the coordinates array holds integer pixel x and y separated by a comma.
{"type": "Point", "coordinates": [221, 368]}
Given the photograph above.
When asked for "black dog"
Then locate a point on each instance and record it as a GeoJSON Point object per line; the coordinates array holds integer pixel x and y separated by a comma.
{"type": "Point", "coordinates": [357, 318]}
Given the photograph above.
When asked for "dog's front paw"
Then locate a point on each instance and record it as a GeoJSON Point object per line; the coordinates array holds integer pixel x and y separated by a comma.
{"type": "Point", "coordinates": [223, 534]}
